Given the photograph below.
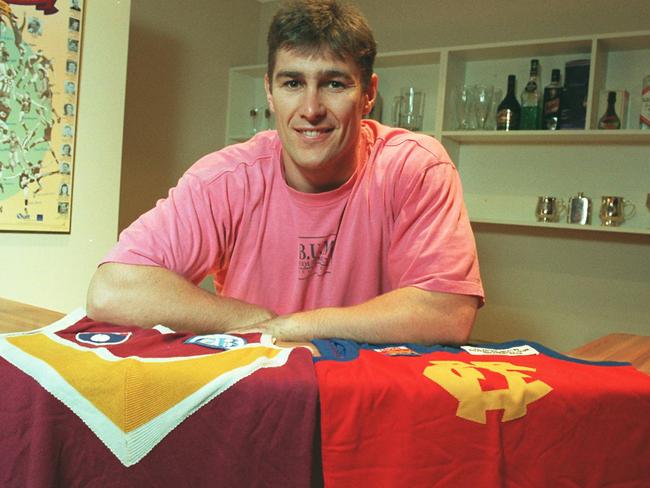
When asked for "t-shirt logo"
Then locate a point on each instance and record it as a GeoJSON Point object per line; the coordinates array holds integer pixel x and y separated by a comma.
{"type": "Point", "coordinates": [314, 255]}
{"type": "Point", "coordinates": [463, 381]}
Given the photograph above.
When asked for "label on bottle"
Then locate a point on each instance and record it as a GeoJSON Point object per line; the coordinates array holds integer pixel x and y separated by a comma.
{"type": "Point", "coordinates": [551, 109]}
{"type": "Point", "coordinates": [531, 86]}
{"type": "Point", "coordinates": [507, 119]}
{"type": "Point", "coordinates": [645, 107]}
{"type": "Point", "coordinates": [552, 102]}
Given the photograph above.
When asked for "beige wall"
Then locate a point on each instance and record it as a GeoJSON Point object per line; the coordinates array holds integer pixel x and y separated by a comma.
{"type": "Point", "coordinates": [419, 24]}
{"type": "Point", "coordinates": [52, 270]}
{"type": "Point", "coordinates": [177, 90]}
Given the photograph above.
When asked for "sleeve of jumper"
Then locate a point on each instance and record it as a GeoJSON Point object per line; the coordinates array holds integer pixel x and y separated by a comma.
{"type": "Point", "coordinates": [432, 245]}
{"type": "Point", "coordinates": [180, 233]}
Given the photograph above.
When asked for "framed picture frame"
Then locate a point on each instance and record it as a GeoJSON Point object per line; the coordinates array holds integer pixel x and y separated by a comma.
{"type": "Point", "coordinates": [40, 62]}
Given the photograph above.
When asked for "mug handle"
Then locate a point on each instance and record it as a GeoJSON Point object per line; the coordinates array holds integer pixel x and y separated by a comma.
{"type": "Point", "coordinates": [627, 204]}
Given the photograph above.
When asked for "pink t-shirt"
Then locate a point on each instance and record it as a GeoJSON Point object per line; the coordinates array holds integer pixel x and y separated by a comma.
{"type": "Point", "coordinates": [399, 221]}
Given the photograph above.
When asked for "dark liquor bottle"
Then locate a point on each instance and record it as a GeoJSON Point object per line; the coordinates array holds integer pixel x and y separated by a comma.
{"type": "Point", "coordinates": [509, 110]}
{"type": "Point", "coordinates": [610, 120]}
{"type": "Point", "coordinates": [552, 94]}
{"type": "Point", "coordinates": [530, 100]}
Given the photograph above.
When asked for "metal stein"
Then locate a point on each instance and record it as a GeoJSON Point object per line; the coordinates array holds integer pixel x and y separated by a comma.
{"type": "Point", "coordinates": [613, 210]}
{"type": "Point", "coordinates": [549, 209]}
{"type": "Point", "coordinates": [579, 210]}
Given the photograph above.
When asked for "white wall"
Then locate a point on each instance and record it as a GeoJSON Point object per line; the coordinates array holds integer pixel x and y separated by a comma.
{"type": "Point", "coordinates": [53, 270]}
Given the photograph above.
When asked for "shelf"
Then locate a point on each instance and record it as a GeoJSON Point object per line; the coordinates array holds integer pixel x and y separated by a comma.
{"type": "Point", "coordinates": [561, 226]}
{"type": "Point", "coordinates": [504, 172]}
{"type": "Point", "coordinates": [625, 42]}
{"type": "Point", "coordinates": [407, 58]}
{"type": "Point", "coordinates": [523, 49]}
{"type": "Point", "coordinates": [550, 137]}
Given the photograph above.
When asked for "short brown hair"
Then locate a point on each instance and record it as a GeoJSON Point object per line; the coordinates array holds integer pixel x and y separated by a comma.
{"type": "Point", "coordinates": [314, 25]}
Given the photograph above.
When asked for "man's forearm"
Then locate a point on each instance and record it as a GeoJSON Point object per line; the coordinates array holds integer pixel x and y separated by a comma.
{"type": "Point", "coordinates": [148, 295]}
{"type": "Point", "coordinates": [403, 315]}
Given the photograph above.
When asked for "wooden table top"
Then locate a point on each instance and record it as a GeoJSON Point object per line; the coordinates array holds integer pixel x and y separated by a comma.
{"type": "Point", "coordinates": [15, 316]}
{"type": "Point", "coordinates": [630, 348]}
{"type": "Point", "coordinates": [635, 349]}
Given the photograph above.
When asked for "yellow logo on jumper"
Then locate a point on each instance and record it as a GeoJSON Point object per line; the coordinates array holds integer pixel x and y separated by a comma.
{"type": "Point", "coordinates": [462, 381]}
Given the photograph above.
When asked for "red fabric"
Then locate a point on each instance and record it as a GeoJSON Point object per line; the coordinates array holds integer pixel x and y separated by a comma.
{"type": "Point", "coordinates": [47, 6]}
{"type": "Point", "coordinates": [385, 424]}
{"type": "Point", "coordinates": [259, 432]}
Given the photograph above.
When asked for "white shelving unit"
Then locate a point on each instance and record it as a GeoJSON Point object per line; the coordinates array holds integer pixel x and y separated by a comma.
{"type": "Point", "coordinates": [503, 173]}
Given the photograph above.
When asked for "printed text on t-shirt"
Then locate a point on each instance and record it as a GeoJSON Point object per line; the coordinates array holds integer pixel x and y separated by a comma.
{"type": "Point", "coordinates": [314, 255]}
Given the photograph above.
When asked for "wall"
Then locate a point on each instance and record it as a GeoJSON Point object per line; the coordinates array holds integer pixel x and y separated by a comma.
{"type": "Point", "coordinates": [420, 24]}
{"type": "Point", "coordinates": [562, 288]}
{"type": "Point", "coordinates": [53, 270]}
{"type": "Point", "coordinates": [177, 90]}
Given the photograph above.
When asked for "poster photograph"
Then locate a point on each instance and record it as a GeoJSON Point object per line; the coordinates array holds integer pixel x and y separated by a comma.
{"type": "Point", "coordinates": [40, 47]}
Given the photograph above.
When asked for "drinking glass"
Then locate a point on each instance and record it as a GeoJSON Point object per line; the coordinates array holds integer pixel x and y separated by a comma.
{"type": "Point", "coordinates": [491, 120]}
{"type": "Point", "coordinates": [483, 95]}
{"type": "Point", "coordinates": [463, 97]}
{"type": "Point", "coordinates": [408, 109]}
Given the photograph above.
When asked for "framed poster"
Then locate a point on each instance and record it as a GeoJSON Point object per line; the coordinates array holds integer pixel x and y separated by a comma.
{"type": "Point", "coordinates": [40, 55]}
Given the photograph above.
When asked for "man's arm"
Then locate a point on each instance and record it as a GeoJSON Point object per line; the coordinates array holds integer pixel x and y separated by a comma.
{"type": "Point", "coordinates": [403, 315]}
{"type": "Point", "coordinates": [149, 295]}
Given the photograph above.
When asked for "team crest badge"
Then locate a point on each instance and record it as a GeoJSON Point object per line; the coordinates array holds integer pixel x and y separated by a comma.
{"type": "Point", "coordinates": [217, 341]}
{"type": "Point", "coordinates": [103, 338]}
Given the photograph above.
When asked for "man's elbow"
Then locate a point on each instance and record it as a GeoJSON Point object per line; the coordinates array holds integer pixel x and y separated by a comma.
{"type": "Point", "coordinates": [101, 298]}
{"type": "Point", "coordinates": [464, 325]}
{"type": "Point", "coordinates": [459, 318]}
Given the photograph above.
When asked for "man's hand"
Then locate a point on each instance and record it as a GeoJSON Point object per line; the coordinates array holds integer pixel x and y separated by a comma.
{"type": "Point", "coordinates": [403, 315]}
{"type": "Point", "coordinates": [278, 327]}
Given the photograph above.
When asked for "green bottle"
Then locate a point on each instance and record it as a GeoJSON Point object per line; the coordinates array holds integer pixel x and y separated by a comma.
{"type": "Point", "coordinates": [531, 111]}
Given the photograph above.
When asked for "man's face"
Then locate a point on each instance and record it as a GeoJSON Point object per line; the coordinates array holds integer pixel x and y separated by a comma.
{"type": "Point", "coordinates": [318, 102]}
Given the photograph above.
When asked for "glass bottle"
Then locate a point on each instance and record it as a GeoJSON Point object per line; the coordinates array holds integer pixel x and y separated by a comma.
{"type": "Point", "coordinates": [610, 120]}
{"type": "Point", "coordinates": [644, 119]}
{"type": "Point", "coordinates": [551, 105]}
{"type": "Point", "coordinates": [509, 110]}
{"type": "Point", "coordinates": [530, 100]}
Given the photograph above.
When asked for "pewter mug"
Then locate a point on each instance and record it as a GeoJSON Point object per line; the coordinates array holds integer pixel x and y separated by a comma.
{"type": "Point", "coordinates": [549, 209]}
{"type": "Point", "coordinates": [579, 210]}
{"type": "Point", "coordinates": [613, 210]}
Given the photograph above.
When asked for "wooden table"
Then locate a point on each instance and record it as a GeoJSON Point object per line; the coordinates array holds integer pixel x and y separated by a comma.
{"type": "Point", "coordinates": [631, 348]}
{"type": "Point", "coordinates": [15, 316]}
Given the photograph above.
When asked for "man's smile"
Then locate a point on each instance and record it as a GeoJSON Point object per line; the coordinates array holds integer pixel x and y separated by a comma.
{"type": "Point", "coordinates": [312, 133]}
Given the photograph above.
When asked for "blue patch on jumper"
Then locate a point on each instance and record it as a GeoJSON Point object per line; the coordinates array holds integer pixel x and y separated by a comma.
{"type": "Point", "coordinates": [217, 341]}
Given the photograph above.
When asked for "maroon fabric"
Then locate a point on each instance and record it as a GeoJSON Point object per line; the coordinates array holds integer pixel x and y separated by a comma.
{"type": "Point", "coordinates": [258, 433]}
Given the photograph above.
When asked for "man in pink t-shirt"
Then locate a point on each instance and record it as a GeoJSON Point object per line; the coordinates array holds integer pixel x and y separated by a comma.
{"type": "Point", "coordinates": [331, 226]}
